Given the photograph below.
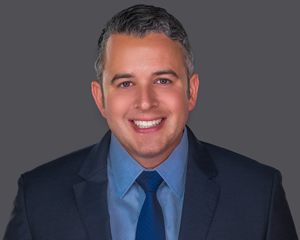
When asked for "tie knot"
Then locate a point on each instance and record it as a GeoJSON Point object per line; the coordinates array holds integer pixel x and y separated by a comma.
{"type": "Point", "coordinates": [149, 181]}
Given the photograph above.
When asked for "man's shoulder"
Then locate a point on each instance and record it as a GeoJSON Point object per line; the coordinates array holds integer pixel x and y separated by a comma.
{"type": "Point", "coordinates": [232, 162]}
{"type": "Point", "coordinates": [65, 165]}
{"type": "Point", "coordinates": [73, 167]}
{"type": "Point", "coordinates": [224, 160]}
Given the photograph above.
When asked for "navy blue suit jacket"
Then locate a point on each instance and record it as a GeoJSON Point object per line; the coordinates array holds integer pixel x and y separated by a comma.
{"type": "Point", "coordinates": [227, 196]}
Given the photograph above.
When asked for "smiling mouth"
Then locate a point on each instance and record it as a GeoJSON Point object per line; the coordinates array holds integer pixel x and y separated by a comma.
{"type": "Point", "coordinates": [147, 124]}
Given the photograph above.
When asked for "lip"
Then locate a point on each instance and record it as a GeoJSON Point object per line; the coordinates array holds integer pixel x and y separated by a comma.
{"type": "Point", "coordinates": [147, 130]}
{"type": "Point", "coordinates": [146, 119]}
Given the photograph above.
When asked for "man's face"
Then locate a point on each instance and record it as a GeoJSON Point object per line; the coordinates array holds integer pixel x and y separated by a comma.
{"type": "Point", "coordinates": [145, 95]}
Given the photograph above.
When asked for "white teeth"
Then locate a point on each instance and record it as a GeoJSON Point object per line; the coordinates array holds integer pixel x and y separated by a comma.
{"type": "Point", "coordinates": [147, 124]}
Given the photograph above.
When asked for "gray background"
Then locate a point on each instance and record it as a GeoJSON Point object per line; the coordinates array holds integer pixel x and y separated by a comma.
{"type": "Point", "coordinates": [247, 56]}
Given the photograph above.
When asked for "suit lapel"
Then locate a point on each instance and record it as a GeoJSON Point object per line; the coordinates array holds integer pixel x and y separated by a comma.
{"type": "Point", "coordinates": [91, 194]}
{"type": "Point", "coordinates": [201, 194]}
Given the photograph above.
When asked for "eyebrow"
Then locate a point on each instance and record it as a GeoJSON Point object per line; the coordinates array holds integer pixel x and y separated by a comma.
{"type": "Point", "coordinates": [120, 76]}
{"type": "Point", "coordinates": [169, 72]}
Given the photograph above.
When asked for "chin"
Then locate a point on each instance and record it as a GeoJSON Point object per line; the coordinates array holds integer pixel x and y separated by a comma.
{"type": "Point", "coordinates": [149, 152]}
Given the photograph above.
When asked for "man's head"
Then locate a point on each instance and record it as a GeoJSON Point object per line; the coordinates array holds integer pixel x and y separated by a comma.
{"type": "Point", "coordinates": [139, 21]}
{"type": "Point", "coordinates": [146, 90]}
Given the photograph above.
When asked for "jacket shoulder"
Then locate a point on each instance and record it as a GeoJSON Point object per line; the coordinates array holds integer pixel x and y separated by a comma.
{"type": "Point", "coordinates": [235, 162]}
{"type": "Point", "coordinates": [65, 165]}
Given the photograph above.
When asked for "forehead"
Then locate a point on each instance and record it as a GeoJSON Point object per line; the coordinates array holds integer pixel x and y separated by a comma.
{"type": "Point", "coordinates": [131, 51]}
{"type": "Point", "coordinates": [151, 39]}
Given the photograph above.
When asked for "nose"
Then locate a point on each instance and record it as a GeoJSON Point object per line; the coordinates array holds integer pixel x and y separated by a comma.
{"type": "Point", "coordinates": [146, 98]}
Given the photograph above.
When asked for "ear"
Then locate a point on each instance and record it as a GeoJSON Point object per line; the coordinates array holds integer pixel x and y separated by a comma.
{"type": "Point", "coordinates": [194, 85]}
{"type": "Point", "coordinates": [98, 97]}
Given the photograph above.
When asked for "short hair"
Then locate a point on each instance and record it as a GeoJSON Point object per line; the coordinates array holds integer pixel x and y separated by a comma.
{"type": "Point", "coordinates": [141, 20]}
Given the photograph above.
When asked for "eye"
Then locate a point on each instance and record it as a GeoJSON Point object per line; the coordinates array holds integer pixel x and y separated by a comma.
{"type": "Point", "coordinates": [163, 81]}
{"type": "Point", "coordinates": [125, 84]}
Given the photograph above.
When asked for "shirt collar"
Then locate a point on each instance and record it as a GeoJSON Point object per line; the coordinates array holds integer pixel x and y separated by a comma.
{"type": "Point", "coordinates": [125, 169]}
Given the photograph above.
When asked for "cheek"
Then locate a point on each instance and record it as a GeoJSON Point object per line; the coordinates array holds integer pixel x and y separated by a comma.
{"type": "Point", "coordinates": [117, 105]}
{"type": "Point", "coordinates": [176, 101]}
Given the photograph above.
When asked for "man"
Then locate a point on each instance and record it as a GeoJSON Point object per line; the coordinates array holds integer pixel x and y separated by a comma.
{"type": "Point", "coordinates": [145, 90]}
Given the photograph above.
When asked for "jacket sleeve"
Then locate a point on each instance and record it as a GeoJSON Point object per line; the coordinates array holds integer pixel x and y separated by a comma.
{"type": "Point", "coordinates": [280, 224]}
{"type": "Point", "coordinates": [18, 227]}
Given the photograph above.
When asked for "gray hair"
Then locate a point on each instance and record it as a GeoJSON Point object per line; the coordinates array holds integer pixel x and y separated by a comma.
{"type": "Point", "coordinates": [140, 20]}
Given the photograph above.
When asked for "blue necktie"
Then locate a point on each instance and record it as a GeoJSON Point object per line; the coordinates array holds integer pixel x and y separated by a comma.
{"type": "Point", "coordinates": [151, 221]}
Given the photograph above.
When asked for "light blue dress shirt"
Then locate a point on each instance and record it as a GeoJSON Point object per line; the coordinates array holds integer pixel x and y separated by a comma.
{"type": "Point", "coordinates": [125, 197]}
